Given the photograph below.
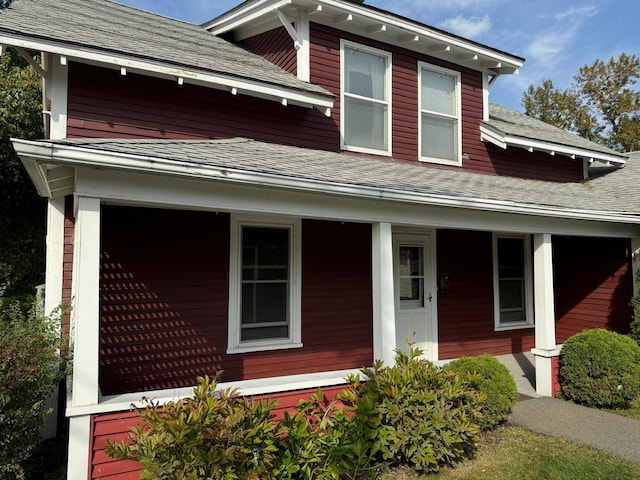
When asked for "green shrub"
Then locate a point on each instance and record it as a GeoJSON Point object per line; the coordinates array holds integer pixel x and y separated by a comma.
{"type": "Point", "coordinates": [600, 368]}
{"type": "Point", "coordinates": [487, 375]}
{"type": "Point", "coordinates": [322, 442]}
{"type": "Point", "coordinates": [634, 332]}
{"type": "Point", "coordinates": [29, 372]}
{"type": "Point", "coordinates": [415, 414]}
{"type": "Point", "coordinates": [213, 435]}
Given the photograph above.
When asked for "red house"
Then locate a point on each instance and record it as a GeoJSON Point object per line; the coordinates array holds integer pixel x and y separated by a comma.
{"type": "Point", "coordinates": [295, 189]}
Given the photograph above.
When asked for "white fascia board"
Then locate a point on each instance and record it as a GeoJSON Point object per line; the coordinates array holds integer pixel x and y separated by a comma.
{"type": "Point", "coordinates": [261, 386]}
{"type": "Point", "coordinates": [210, 79]}
{"type": "Point", "coordinates": [502, 140]}
{"type": "Point", "coordinates": [242, 17]}
{"type": "Point", "coordinates": [85, 157]}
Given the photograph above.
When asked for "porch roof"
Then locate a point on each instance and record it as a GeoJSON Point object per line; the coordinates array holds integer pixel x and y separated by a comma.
{"type": "Point", "coordinates": [507, 127]}
{"type": "Point", "coordinates": [611, 197]}
{"type": "Point", "coordinates": [111, 34]}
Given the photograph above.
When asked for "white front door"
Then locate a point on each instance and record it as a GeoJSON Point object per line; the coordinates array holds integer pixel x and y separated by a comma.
{"type": "Point", "coordinates": [414, 273]}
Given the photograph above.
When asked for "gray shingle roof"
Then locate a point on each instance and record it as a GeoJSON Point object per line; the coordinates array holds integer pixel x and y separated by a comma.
{"type": "Point", "coordinates": [516, 124]}
{"type": "Point", "coordinates": [615, 193]}
{"type": "Point", "coordinates": [114, 28]}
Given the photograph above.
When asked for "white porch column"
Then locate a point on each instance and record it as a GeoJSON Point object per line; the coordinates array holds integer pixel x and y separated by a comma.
{"type": "Point", "coordinates": [85, 327]}
{"type": "Point", "coordinates": [303, 53]}
{"type": "Point", "coordinates": [635, 262]}
{"type": "Point", "coordinates": [384, 321]}
{"type": "Point", "coordinates": [545, 329]}
{"type": "Point", "coordinates": [53, 289]}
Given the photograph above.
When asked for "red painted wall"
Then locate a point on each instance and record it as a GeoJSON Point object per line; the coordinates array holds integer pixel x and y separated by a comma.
{"type": "Point", "coordinates": [276, 46]}
{"type": "Point", "coordinates": [115, 426]}
{"type": "Point", "coordinates": [164, 301]}
{"type": "Point", "coordinates": [555, 376]}
{"type": "Point", "coordinates": [465, 310]}
{"type": "Point", "coordinates": [67, 262]}
{"type": "Point", "coordinates": [593, 284]}
{"type": "Point", "coordinates": [482, 158]}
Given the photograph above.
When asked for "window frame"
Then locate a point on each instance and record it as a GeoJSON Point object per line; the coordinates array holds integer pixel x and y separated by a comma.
{"type": "Point", "coordinates": [235, 345]}
{"type": "Point", "coordinates": [457, 160]}
{"type": "Point", "coordinates": [387, 93]}
{"type": "Point", "coordinates": [528, 283]}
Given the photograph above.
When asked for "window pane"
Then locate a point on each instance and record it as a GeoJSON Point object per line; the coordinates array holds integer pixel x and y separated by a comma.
{"type": "Point", "coordinates": [438, 92]}
{"type": "Point", "coordinates": [411, 289]}
{"type": "Point", "coordinates": [411, 260]}
{"type": "Point", "coordinates": [264, 302]}
{"type": "Point", "coordinates": [365, 124]}
{"type": "Point", "coordinates": [439, 137]}
{"type": "Point", "coordinates": [511, 294]}
{"type": "Point", "coordinates": [265, 283]}
{"type": "Point", "coordinates": [516, 316]}
{"type": "Point", "coordinates": [365, 74]}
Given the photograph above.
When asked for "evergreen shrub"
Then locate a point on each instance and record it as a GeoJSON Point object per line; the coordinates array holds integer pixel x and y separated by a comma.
{"type": "Point", "coordinates": [599, 368]}
{"type": "Point", "coordinates": [487, 375]}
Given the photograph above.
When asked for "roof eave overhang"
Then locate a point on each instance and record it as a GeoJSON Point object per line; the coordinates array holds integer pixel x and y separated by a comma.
{"type": "Point", "coordinates": [381, 26]}
{"type": "Point", "coordinates": [45, 155]}
{"type": "Point", "coordinates": [177, 73]}
{"type": "Point", "coordinates": [503, 140]}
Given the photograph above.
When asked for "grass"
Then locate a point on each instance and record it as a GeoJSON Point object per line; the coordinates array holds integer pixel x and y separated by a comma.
{"type": "Point", "coordinates": [632, 412]}
{"type": "Point", "coordinates": [511, 453]}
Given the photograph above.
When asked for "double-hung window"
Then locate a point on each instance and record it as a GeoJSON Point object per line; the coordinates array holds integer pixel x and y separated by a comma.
{"type": "Point", "coordinates": [264, 299]}
{"type": "Point", "coordinates": [513, 291]}
{"type": "Point", "coordinates": [440, 114]}
{"type": "Point", "coordinates": [366, 99]}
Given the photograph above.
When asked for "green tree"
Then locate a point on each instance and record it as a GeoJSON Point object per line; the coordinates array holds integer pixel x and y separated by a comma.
{"type": "Point", "coordinates": [602, 104]}
{"type": "Point", "coordinates": [22, 211]}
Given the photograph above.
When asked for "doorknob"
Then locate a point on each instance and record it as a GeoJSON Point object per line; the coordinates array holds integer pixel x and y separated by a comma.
{"type": "Point", "coordinates": [430, 297]}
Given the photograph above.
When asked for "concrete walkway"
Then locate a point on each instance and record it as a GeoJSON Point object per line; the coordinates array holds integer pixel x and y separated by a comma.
{"type": "Point", "coordinates": [611, 433]}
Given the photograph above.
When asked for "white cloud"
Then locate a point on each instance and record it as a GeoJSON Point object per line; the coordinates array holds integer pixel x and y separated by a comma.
{"type": "Point", "coordinates": [547, 46]}
{"type": "Point", "coordinates": [573, 12]}
{"type": "Point", "coordinates": [470, 27]}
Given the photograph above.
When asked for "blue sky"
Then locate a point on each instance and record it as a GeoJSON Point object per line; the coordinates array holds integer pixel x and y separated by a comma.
{"type": "Point", "coordinates": [556, 37]}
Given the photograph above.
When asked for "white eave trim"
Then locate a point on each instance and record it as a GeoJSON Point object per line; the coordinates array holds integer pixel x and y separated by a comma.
{"type": "Point", "coordinates": [69, 155]}
{"type": "Point", "coordinates": [236, 85]}
{"type": "Point", "coordinates": [392, 27]}
{"type": "Point", "coordinates": [502, 140]}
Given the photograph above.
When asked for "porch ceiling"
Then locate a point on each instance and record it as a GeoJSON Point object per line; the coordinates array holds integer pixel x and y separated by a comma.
{"type": "Point", "coordinates": [251, 162]}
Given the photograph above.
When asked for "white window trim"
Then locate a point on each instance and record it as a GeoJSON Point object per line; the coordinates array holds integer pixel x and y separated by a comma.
{"type": "Point", "coordinates": [373, 51]}
{"type": "Point", "coordinates": [410, 241]}
{"type": "Point", "coordinates": [234, 344]}
{"type": "Point", "coordinates": [434, 68]}
{"type": "Point", "coordinates": [528, 284]}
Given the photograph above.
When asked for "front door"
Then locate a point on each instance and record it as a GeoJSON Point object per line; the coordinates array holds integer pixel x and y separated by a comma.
{"type": "Point", "coordinates": [414, 274]}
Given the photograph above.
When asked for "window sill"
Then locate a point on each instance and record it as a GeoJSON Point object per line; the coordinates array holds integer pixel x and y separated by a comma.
{"type": "Point", "coordinates": [263, 347]}
{"type": "Point", "coordinates": [518, 326]}
{"type": "Point", "coordinates": [441, 161]}
{"type": "Point", "coordinates": [372, 151]}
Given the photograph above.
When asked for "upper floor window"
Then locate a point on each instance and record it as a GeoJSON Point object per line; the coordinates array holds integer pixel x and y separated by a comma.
{"type": "Point", "coordinates": [366, 99]}
{"type": "Point", "coordinates": [512, 273]}
{"type": "Point", "coordinates": [440, 114]}
{"type": "Point", "coordinates": [264, 299]}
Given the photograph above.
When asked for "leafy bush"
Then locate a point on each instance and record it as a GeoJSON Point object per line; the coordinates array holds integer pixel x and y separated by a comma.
{"type": "Point", "coordinates": [29, 372]}
{"type": "Point", "coordinates": [414, 413]}
{"type": "Point", "coordinates": [634, 332]}
{"type": "Point", "coordinates": [487, 375]}
{"type": "Point", "coordinates": [600, 368]}
{"type": "Point", "coordinates": [322, 442]}
{"type": "Point", "coordinates": [213, 435]}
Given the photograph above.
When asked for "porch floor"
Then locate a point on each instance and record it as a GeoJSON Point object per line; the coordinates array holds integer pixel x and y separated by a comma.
{"type": "Point", "coordinates": [522, 368]}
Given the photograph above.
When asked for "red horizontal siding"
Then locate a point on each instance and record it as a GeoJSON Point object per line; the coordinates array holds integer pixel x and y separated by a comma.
{"type": "Point", "coordinates": [276, 46]}
{"type": "Point", "coordinates": [481, 158]}
{"type": "Point", "coordinates": [67, 263]}
{"type": "Point", "coordinates": [103, 103]}
{"type": "Point", "coordinates": [116, 427]}
{"type": "Point", "coordinates": [593, 285]}
{"type": "Point", "coordinates": [164, 301]}
{"type": "Point", "coordinates": [465, 310]}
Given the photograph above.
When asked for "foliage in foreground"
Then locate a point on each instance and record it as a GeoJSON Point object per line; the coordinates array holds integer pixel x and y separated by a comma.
{"type": "Point", "coordinates": [599, 368]}
{"type": "Point", "coordinates": [487, 375]}
{"type": "Point", "coordinates": [634, 332]}
{"type": "Point", "coordinates": [412, 413]}
{"type": "Point", "coordinates": [416, 414]}
{"type": "Point", "coordinates": [30, 368]}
